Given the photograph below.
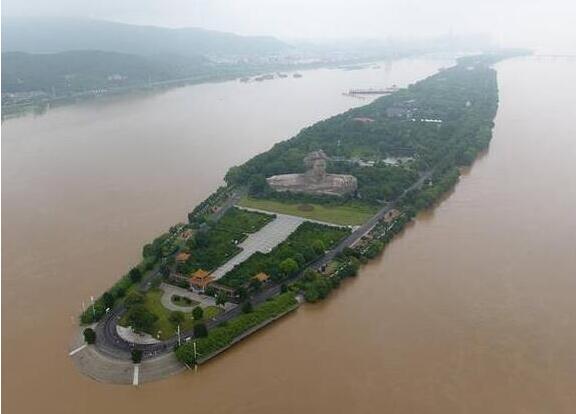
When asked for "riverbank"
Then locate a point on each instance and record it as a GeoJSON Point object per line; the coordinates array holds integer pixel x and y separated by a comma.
{"type": "Point", "coordinates": [43, 104]}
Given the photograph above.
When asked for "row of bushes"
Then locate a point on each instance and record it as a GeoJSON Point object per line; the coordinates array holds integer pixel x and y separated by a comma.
{"type": "Point", "coordinates": [198, 215]}
{"type": "Point", "coordinates": [225, 334]}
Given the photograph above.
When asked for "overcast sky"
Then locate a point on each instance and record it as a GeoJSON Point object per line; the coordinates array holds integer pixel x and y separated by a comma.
{"type": "Point", "coordinates": [537, 23]}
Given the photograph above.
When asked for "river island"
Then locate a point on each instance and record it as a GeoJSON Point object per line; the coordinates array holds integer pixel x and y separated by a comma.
{"type": "Point", "coordinates": [289, 226]}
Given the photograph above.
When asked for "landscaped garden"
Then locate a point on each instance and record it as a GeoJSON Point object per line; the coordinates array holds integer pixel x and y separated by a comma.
{"type": "Point", "coordinates": [217, 242]}
{"type": "Point", "coordinates": [309, 242]}
{"type": "Point", "coordinates": [145, 313]}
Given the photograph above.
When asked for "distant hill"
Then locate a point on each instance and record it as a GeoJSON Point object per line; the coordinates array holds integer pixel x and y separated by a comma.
{"type": "Point", "coordinates": [60, 35]}
{"type": "Point", "coordinates": [75, 71]}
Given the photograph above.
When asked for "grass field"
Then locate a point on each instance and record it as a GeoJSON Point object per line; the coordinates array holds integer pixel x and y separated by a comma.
{"type": "Point", "coordinates": [349, 214]}
{"type": "Point", "coordinates": [168, 329]}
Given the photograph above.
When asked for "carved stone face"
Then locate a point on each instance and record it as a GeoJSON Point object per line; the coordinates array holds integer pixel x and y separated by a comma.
{"type": "Point", "coordinates": [319, 169]}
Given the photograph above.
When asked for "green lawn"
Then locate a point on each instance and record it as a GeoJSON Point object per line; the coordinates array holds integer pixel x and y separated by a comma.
{"type": "Point", "coordinates": [163, 324]}
{"type": "Point", "coordinates": [351, 213]}
{"type": "Point", "coordinates": [244, 221]}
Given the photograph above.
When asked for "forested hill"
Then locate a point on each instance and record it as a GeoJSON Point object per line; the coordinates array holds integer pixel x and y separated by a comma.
{"type": "Point", "coordinates": [66, 34]}
{"type": "Point", "coordinates": [78, 71]}
{"type": "Point", "coordinates": [444, 119]}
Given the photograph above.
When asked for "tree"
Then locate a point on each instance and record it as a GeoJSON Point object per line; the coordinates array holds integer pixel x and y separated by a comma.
{"type": "Point", "coordinates": [89, 336]}
{"type": "Point", "coordinates": [202, 239]}
{"type": "Point", "coordinates": [198, 313]}
{"type": "Point", "coordinates": [200, 330]}
{"type": "Point", "coordinates": [283, 288]}
{"type": "Point", "coordinates": [258, 185]}
{"type": "Point", "coordinates": [134, 298]}
{"type": "Point", "coordinates": [165, 270]}
{"type": "Point", "coordinates": [221, 298]}
{"type": "Point", "coordinates": [149, 250]}
{"type": "Point", "coordinates": [288, 266]}
{"type": "Point", "coordinates": [247, 307]}
{"type": "Point", "coordinates": [318, 246]}
{"type": "Point", "coordinates": [255, 284]}
{"type": "Point", "coordinates": [242, 293]}
{"type": "Point", "coordinates": [140, 318]}
{"type": "Point", "coordinates": [176, 317]}
{"type": "Point", "coordinates": [191, 243]}
{"type": "Point", "coordinates": [311, 295]}
{"type": "Point", "coordinates": [136, 356]}
{"type": "Point", "coordinates": [135, 275]}
{"type": "Point", "coordinates": [107, 300]}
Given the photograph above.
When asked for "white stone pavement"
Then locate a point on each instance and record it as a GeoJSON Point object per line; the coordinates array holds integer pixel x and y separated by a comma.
{"type": "Point", "coordinates": [265, 239]}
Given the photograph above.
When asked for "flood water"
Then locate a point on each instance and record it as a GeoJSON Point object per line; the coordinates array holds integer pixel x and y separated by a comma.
{"type": "Point", "coordinates": [471, 310]}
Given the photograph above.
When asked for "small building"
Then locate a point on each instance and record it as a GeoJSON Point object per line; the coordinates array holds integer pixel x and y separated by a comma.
{"type": "Point", "coordinates": [182, 257]}
{"type": "Point", "coordinates": [200, 279]}
{"type": "Point", "coordinates": [262, 277]}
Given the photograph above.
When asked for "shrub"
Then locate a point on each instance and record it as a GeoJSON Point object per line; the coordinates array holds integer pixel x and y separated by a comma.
{"type": "Point", "coordinates": [198, 313]}
{"type": "Point", "coordinates": [136, 355]}
{"type": "Point", "coordinates": [200, 330]}
{"type": "Point", "coordinates": [89, 336]}
{"type": "Point", "coordinates": [135, 275]}
{"type": "Point", "coordinates": [247, 307]}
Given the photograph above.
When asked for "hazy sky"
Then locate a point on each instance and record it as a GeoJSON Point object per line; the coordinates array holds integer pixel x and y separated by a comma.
{"type": "Point", "coordinates": [547, 23]}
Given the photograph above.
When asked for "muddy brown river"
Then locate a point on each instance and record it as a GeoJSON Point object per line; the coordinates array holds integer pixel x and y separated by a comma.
{"type": "Point", "coordinates": [471, 310]}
